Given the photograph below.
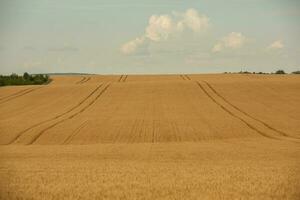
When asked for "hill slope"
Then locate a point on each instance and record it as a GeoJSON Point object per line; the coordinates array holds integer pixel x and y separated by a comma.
{"type": "Point", "coordinates": [152, 137]}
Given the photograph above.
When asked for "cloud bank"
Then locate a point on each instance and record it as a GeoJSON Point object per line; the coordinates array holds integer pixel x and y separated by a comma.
{"type": "Point", "coordinates": [161, 27]}
{"type": "Point", "coordinates": [233, 40]}
{"type": "Point", "coordinates": [278, 44]}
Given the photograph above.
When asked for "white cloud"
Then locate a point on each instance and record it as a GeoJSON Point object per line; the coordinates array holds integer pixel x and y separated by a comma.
{"type": "Point", "coordinates": [233, 40]}
{"type": "Point", "coordinates": [218, 47]}
{"type": "Point", "coordinates": [193, 20]}
{"type": "Point", "coordinates": [276, 45]}
{"type": "Point", "coordinates": [131, 46]}
{"type": "Point", "coordinates": [161, 27]}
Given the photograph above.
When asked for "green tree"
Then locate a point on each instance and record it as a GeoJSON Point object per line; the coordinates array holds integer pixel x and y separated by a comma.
{"type": "Point", "coordinates": [14, 76]}
{"type": "Point", "coordinates": [26, 76]}
{"type": "Point", "coordinates": [280, 72]}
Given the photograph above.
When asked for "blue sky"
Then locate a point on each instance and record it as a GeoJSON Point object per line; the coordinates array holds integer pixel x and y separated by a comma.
{"type": "Point", "coordinates": [157, 36]}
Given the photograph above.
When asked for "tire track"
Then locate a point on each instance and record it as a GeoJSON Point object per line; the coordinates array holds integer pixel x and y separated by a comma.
{"type": "Point", "coordinates": [125, 78]}
{"type": "Point", "coordinates": [133, 132]}
{"type": "Point", "coordinates": [117, 136]}
{"type": "Point", "coordinates": [247, 114]}
{"type": "Point", "coordinates": [76, 132]}
{"type": "Point", "coordinates": [153, 132]}
{"type": "Point", "coordinates": [79, 82]}
{"type": "Point", "coordinates": [70, 117]}
{"type": "Point", "coordinates": [56, 117]}
{"type": "Point", "coordinates": [142, 131]}
{"type": "Point", "coordinates": [22, 94]}
{"type": "Point", "coordinates": [235, 116]}
{"type": "Point", "coordinates": [187, 77]}
{"type": "Point", "coordinates": [86, 80]}
{"type": "Point", "coordinates": [178, 132]}
{"type": "Point", "coordinates": [16, 93]}
{"type": "Point", "coordinates": [183, 78]}
{"type": "Point", "coordinates": [120, 78]}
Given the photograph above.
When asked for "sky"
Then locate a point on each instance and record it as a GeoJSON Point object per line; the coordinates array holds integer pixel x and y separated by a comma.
{"type": "Point", "coordinates": [149, 37]}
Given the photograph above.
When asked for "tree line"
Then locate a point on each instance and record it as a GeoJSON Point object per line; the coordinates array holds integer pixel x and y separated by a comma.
{"type": "Point", "coordinates": [280, 71]}
{"type": "Point", "coordinates": [26, 79]}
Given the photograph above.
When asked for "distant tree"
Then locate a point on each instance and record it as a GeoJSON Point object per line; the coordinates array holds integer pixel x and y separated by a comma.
{"type": "Point", "coordinates": [26, 76]}
{"type": "Point", "coordinates": [280, 72]}
{"type": "Point", "coordinates": [46, 78]}
{"type": "Point", "coordinates": [296, 72]}
{"type": "Point", "coordinates": [245, 72]}
{"type": "Point", "coordinates": [14, 76]}
{"type": "Point", "coordinates": [2, 82]}
{"type": "Point", "coordinates": [26, 79]}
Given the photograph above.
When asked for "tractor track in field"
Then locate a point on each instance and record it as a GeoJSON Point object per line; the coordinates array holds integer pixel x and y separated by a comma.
{"type": "Point", "coordinates": [86, 80]}
{"type": "Point", "coordinates": [125, 78]}
{"type": "Point", "coordinates": [182, 77]}
{"type": "Point", "coordinates": [57, 116]}
{"type": "Point", "coordinates": [68, 118]}
{"type": "Point", "coordinates": [187, 77]}
{"type": "Point", "coordinates": [82, 79]}
{"type": "Point", "coordinates": [120, 78]}
{"type": "Point", "coordinates": [177, 131]}
{"type": "Point", "coordinates": [153, 132]}
{"type": "Point", "coordinates": [141, 132]}
{"type": "Point", "coordinates": [74, 133]}
{"type": "Point", "coordinates": [247, 114]}
{"type": "Point", "coordinates": [133, 131]}
{"type": "Point", "coordinates": [16, 93]}
{"type": "Point", "coordinates": [235, 116]}
{"type": "Point", "coordinates": [19, 95]}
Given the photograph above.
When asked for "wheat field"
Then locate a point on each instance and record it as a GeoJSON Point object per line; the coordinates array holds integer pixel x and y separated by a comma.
{"type": "Point", "coordinates": [214, 136]}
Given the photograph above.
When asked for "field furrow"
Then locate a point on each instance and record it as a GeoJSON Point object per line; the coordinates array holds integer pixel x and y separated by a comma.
{"type": "Point", "coordinates": [86, 80]}
{"type": "Point", "coordinates": [55, 117]}
{"type": "Point", "coordinates": [120, 79]}
{"type": "Point", "coordinates": [77, 112]}
{"type": "Point", "coordinates": [234, 115]}
{"type": "Point", "coordinates": [124, 80]}
{"type": "Point", "coordinates": [187, 77]}
{"type": "Point", "coordinates": [279, 132]}
{"type": "Point", "coordinates": [19, 95]}
{"type": "Point", "coordinates": [182, 77]}
{"type": "Point", "coordinates": [14, 94]}
{"type": "Point", "coordinates": [143, 110]}
{"type": "Point", "coordinates": [76, 132]}
{"type": "Point", "coordinates": [83, 79]}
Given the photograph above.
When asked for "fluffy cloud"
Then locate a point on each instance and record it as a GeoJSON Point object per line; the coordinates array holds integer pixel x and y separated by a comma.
{"type": "Point", "coordinates": [161, 27]}
{"type": "Point", "coordinates": [131, 46]}
{"type": "Point", "coordinates": [193, 20]}
{"type": "Point", "coordinates": [218, 47]}
{"type": "Point", "coordinates": [233, 40]}
{"type": "Point", "coordinates": [276, 45]}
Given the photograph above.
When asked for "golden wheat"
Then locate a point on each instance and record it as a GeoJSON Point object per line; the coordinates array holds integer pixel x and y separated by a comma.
{"type": "Point", "coordinates": [152, 137]}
